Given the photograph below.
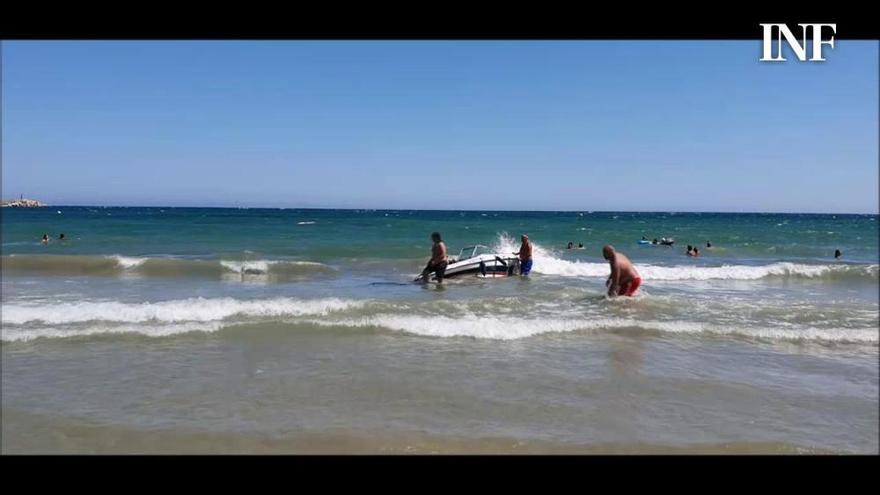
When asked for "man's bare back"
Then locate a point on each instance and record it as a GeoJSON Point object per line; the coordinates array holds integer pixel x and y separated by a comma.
{"type": "Point", "coordinates": [437, 263]}
{"type": "Point", "coordinates": [438, 252]}
{"type": "Point", "coordinates": [624, 279]}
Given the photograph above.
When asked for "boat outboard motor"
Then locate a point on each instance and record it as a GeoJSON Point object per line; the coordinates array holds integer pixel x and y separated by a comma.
{"type": "Point", "coordinates": [499, 259]}
{"type": "Point", "coordinates": [512, 268]}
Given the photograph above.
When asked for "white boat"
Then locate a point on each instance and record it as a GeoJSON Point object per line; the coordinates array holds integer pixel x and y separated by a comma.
{"type": "Point", "coordinates": [479, 261]}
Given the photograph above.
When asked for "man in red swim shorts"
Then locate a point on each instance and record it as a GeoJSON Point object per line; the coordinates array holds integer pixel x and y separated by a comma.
{"type": "Point", "coordinates": [624, 279]}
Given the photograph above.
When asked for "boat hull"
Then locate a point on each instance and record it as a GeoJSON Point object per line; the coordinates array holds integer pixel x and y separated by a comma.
{"type": "Point", "coordinates": [486, 265]}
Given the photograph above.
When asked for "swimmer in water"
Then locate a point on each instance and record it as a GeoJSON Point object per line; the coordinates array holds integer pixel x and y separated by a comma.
{"type": "Point", "coordinates": [570, 245]}
{"type": "Point", "coordinates": [580, 245]}
{"type": "Point", "coordinates": [624, 279]}
{"type": "Point", "coordinates": [45, 238]}
{"type": "Point", "coordinates": [837, 254]}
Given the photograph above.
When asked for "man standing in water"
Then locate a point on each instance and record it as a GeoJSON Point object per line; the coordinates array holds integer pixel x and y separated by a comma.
{"type": "Point", "coordinates": [624, 279]}
{"type": "Point", "coordinates": [525, 255]}
{"type": "Point", "coordinates": [437, 263]}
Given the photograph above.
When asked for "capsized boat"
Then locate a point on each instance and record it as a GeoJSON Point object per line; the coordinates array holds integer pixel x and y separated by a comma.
{"type": "Point", "coordinates": [479, 261]}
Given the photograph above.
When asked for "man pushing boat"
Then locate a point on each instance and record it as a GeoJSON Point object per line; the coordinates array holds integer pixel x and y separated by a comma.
{"type": "Point", "coordinates": [438, 261]}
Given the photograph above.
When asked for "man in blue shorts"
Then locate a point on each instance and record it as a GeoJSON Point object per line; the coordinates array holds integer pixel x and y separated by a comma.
{"type": "Point", "coordinates": [525, 256]}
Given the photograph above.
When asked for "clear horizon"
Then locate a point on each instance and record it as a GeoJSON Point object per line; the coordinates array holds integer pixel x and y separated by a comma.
{"type": "Point", "coordinates": [744, 212]}
{"type": "Point", "coordinates": [624, 126]}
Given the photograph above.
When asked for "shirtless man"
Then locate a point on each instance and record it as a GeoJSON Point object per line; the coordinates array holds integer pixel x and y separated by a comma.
{"type": "Point", "coordinates": [624, 279]}
{"type": "Point", "coordinates": [525, 255]}
{"type": "Point", "coordinates": [438, 262]}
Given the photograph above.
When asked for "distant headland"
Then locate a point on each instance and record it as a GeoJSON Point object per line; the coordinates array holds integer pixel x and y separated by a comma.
{"type": "Point", "coordinates": [22, 202]}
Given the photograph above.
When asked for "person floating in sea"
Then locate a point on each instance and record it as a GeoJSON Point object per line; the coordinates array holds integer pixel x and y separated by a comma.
{"type": "Point", "coordinates": [45, 238]}
{"type": "Point", "coordinates": [61, 237]}
{"type": "Point", "coordinates": [696, 251]}
{"type": "Point", "coordinates": [837, 254]}
{"type": "Point", "coordinates": [438, 261]}
{"type": "Point", "coordinates": [708, 244]}
{"type": "Point", "coordinates": [624, 279]}
{"type": "Point", "coordinates": [580, 245]}
{"type": "Point", "coordinates": [525, 255]}
{"type": "Point", "coordinates": [570, 245]}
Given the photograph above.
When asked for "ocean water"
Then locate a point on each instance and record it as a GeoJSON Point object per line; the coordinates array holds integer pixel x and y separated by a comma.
{"type": "Point", "coordinates": [284, 330]}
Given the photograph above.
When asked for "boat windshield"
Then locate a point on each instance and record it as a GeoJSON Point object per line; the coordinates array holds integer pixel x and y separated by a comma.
{"type": "Point", "coordinates": [471, 251]}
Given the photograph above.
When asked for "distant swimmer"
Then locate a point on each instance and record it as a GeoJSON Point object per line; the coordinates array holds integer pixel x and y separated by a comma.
{"type": "Point", "coordinates": [624, 279]}
{"type": "Point", "coordinates": [708, 244]}
{"type": "Point", "coordinates": [837, 254]}
{"type": "Point", "coordinates": [690, 250]}
{"type": "Point", "coordinates": [570, 245]}
{"type": "Point", "coordinates": [438, 261]}
{"type": "Point", "coordinates": [696, 251]}
{"type": "Point", "coordinates": [61, 237]}
{"type": "Point", "coordinates": [580, 245]}
{"type": "Point", "coordinates": [45, 238]}
{"type": "Point", "coordinates": [525, 255]}
{"type": "Point", "coordinates": [655, 241]}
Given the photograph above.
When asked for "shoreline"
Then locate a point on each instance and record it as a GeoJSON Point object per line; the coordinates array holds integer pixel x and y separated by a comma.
{"type": "Point", "coordinates": [28, 433]}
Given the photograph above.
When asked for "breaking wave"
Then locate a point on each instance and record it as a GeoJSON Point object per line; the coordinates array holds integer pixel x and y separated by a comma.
{"type": "Point", "coordinates": [159, 267]}
{"type": "Point", "coordinates": [184, 310]}
{"type": "Point", "coordinates": [548, 264]}
{"type": "Point", "coordinates": [22, 322]}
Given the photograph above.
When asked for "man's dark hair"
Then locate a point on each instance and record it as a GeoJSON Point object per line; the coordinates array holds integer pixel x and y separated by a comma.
{"type": "Point", "coordinates": [436, 235]}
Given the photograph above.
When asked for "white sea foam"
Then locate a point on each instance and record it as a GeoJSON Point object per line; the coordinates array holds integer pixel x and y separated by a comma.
{"type": "Point", "coordinates": [307, 223]}
{"type": "Point", "coordinates": [204, 315]}
{"type": "Point", "coordinates": [553, 266]}
{"type": "Point", "coordinates": [504, 328]}
{"type": "Point", "coordinates": [152, 330]}
{"type": "Point", "coordinates": [548, 264]}
{"type": "Point", "coordinates": [257, 266]}
{"type": "Point", "coordinates": [263, 266]}
{"type": "Point", "coordinates": [485, 327]}
{"type": "Point", "coordinates": [195, 309]}
{"type": "Point", "coordinates": [126, 262]}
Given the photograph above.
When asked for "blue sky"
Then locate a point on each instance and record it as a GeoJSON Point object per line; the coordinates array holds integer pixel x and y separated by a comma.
{"type": "Point", "coordinates": [519, 125]}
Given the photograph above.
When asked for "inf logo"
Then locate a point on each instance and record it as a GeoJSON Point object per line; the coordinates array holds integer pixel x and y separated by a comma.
{"type": "Point", "coordinates": [800, 50]}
